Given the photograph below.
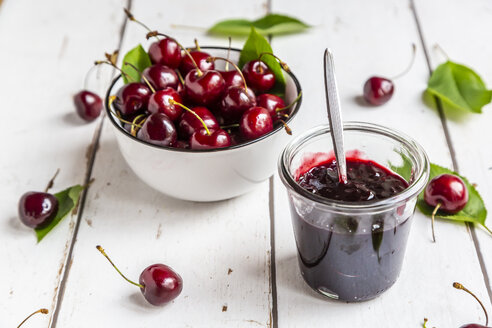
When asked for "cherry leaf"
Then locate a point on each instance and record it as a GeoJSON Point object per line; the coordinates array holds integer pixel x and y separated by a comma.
{"type": "Point", "coordinates": [271, 24]}
{"type": "Point", "coordinates": [253, 47]}
{"type": "Point", "coordinates": [459, 87]}
{"type": "Point", "coordinates": [474, 210]}
{"type": "Point", "coordinates": [139, 58]}
{"type": "Point", "coordinates": [68, 199]}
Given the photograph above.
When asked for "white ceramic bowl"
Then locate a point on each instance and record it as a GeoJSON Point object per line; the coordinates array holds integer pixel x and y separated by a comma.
{"type": "Point", "coordinates": [205, 175]}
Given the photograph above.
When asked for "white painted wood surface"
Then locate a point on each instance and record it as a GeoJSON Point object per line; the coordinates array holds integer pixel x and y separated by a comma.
{"type": "Point", "coordinates": [53, 43]}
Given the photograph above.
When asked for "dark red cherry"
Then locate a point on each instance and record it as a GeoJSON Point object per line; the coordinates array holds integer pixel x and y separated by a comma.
{"type": "Point", "coordinates": [132, 98]}
{"type": "Point", "coordinates": [159, 103]}
{"type": "Point", "coordinates": [378, 90]}
{"type": "Point", "coordinates": [255, 122]}
{"type": "Point", "coordinates": [217, 139]}
{"type": "Point", "coordinates": [235, 102]}
{"type": "Point", "coordinates": [200, 58]}
{"type": "Point", "coordinates": [473, 325]}
{"type": "Point", "coordinates": [449, 191]}
{"type": "Point", "coordinates": [165, 52]}
{"type": "Point", "coordinates": [161, 77]}
{"type": "Point", "coordinates": [189, 124]}
{"type": "Point", "coordinates": [161, 284]}
{"type": "Point", "coordinates": [88, 105]}
{"type": "Point", "coordinates": [204, 89]}
{"type": "Point", "coordinates": [182, 144]}
{"type": "Point", "coordinates": [158, 129]}
{"type": "Point", "coordinates": [37, 209]}
{"type": "Point", "coordinates": [232, 79]}
{"type": "Point", "coordinates": [258, 76]}
{"type": "Point", "coordinates": [270, 102]}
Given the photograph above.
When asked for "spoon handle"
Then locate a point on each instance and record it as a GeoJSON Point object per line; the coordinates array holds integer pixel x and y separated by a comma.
{"type": "Point", "coordinates": [335, 115]}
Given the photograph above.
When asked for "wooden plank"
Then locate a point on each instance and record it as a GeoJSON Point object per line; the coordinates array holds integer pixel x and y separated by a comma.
{"type": "Point", "coordinates": [47, 47]}
{"type": "Point", "coordinates": [138, 226]}
{"type": "Point", "coordinates": [373, 39]}
{"type": "Point", "coordinates": [470, 134]}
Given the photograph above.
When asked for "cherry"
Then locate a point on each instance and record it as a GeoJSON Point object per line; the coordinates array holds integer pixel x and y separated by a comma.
{"type": "Point", "coordinates": [194, 119]}
{"type": "Point", "coordinates": [158, 283]}
{"type": "Point", "coordinates": [232, 79]}
{"type": "Point", "coordinates": [200, 59]}
{"type": "Point", "coordinates": [88, 105]}
{"type": "Point", "coordinates": [132, 98]}
{"type": "Point", "coordinates": [204, 88]}
{"type": "Point", "coordinates": [158, 129]}
{"type": "Point", "coordinates": [202, 139]}
{"type": "Point", "coordinates": [37, 209]}
{"type": "Point", "coordinates": [235, 102]}
{"type": "Point", "coordinates": [182, 144]}
{"type": "Point", "coordinates": [258, 75]}
{"type": "Point", "coordinates": [270, 102]}
{"type": "Point", "coordinates": [166, 52]}
{"type": "Point", "coordinates": [446, 192]}
{"type": "Point", "coordinates": [159, 103]}
{"type": "Point", "coordinates": [473, 325]}
{"type": "Point", "coordinates": [457, 285]}
{"type": "Point", "coordinates": [378, 90]}
{"type": "Point", "coordinates": [255, 122]}
{"type": "Point", "coordinates": [161, 77]}
{"type": "Point", "coordinates": [43, 311]}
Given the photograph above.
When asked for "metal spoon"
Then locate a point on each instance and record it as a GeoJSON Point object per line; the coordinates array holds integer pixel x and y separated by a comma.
{"type": "Point", "coordinates": [335, 115]}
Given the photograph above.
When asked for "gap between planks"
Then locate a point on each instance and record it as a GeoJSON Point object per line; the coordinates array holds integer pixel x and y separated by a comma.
{"type": "Point", "coordinates": [91, 158]}
{"type": "Point", "coordinates": [452, 151]}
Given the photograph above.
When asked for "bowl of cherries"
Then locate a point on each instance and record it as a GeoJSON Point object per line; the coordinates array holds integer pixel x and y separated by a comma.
{"type": "Point", "coordinates": [196, 126]}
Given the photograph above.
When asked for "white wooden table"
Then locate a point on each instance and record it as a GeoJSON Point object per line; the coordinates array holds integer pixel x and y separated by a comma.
{"type": "Point", "coordinates": [46, 48]}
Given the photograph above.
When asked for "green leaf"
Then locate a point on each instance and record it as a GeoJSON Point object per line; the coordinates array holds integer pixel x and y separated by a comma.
{"type": "Point", "coordinates": [460, 87]}
{"type": "Point", "coordinates": [139, 58]}
{"type": "Point", "coordinates": [271, 24]}
{"type": "Point", "coordinates": [253, 47]}
{"type": "Point", "coordinates": [405, 170]}
{"type": "Point", "coordinates": [474, 210]}
{"type": "Point", "coordinates": [67, 200]}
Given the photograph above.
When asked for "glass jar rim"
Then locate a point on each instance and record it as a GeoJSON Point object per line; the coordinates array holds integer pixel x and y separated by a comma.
{"type": "Point", "coordinates": [416, 186]}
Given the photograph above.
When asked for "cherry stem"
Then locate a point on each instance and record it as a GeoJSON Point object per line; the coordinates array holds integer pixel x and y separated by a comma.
{"type": "Point", "coordinates": [133, 19]}
{"type": "Point", "coordinates": [209, 59]}
{"type": "Point", "coordinates": [138, 119]}
{"type": "Point", "coordinates": [180, 77]}
{"type": "Point", "coordinates": [154, 33]}
{"type": "Point", "coordinates": [432, 220]}
{"type": "Point", "coordinates": [425, 323]}
{"type": "Point", "coordinates": [107, 62]}
{"type": "Point", "coordinates": [235, 125]}
{"type": "Point", "coordinates": [86, 78]}
{"type": "Point", "coordinates": [117, 115]}
{"type": "Point", "coordinates": [441, 50]}
{"type": "Point", "coordinates": [287, 128]}
{"type": "Point", "coordinates": [100, 249]}
{"type": "Point", "coordinates": [43, 311]}
{"type": "Point", "coordinates": [228, 54]}
{"type": "Point", "coordinates": [291, 104]}
{"type": "Point", "coordinates": [197, 46]}
{"type": "Point", "coordinates": [52, 181]}
{"type": "Point", "coordinates": [457, 285]}
{"type": "Point", "coordinates": [141, 76]}
{"type": "Point", "coordinates": [283, 64]}
{"type": "Point", "coordinates": [173, 102]}
{"type": "Point", "coordinates": [414, 52]}
{"type": "Point", "coordinates": [487, 228]}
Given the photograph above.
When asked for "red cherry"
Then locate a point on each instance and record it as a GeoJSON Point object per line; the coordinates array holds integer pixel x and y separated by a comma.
{"type": "Point", "coordinates": [449, 191]}
{"type": "Point", "coordinates": [158, 129]}
{"type": "Point", "coordinates": [473, 325]}
{"type": "Point", "coordinates": [270, 102]}
{"type": "Point", "coordinates": [189, 124]}
{"type": "Point", "coordinates": [37, 209]}
{"type": "Point", "coordinates": [232, 79]}
{"type": "Point", "coordinates": [235, 102]}
{"type": "Point", "coordinates": [255, 122]}
{"type": "Point", "coordinates": [161, 284]}
{"type": "Point", "coordinates": [132, 98]}
{"type": "Point", "coordinates": [88, 105]}
{"type": "Point", "coordinates": [204, 89]}
{"type": "Point", "coordinates": [200, 58]}
{"type": "Point", "coordinates": [182, 144]}
{"type": "Point", "coordinates": [378, 90]}
{"type": "Point", "coordinates": [161, 77]}
{"type": "Point", "coordinates": [159, 103]}
{"type": "Point", "coordinates": [258, 76]}
{"type": "Point", "coordinates": [217, 139]}
{"type": "Point", "coordinates": [165, 52]}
